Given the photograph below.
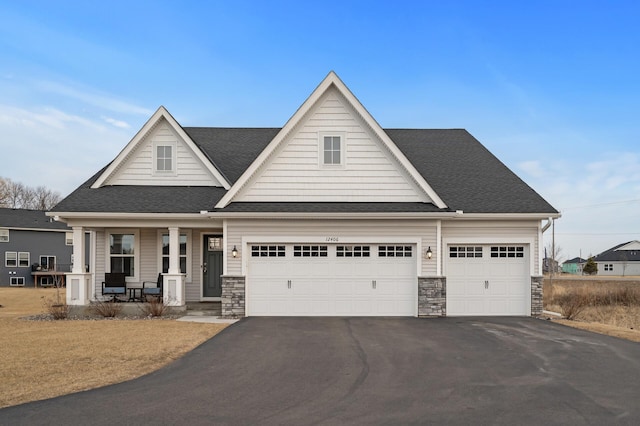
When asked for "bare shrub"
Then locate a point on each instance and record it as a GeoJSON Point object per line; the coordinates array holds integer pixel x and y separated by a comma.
{"type": "Point", "coordinates": [154, 307]}
{"type": "Point", "coordinates": [572, 303]}
{"type": "Point", "coordinates": [106, 309]}
{"type": "Point", "coordinates": [57, 307]}
{"type": "Point", "coordinates": [58, 310]}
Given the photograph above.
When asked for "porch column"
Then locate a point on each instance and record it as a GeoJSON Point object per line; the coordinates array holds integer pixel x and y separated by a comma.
{"type": "Point", "coordinates": [78, 280]}
{"type": "Point", "coordinates": [173, 283]}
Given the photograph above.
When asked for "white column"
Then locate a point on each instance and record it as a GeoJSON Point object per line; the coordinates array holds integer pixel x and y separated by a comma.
{"type": "Point", "coordinates": [78, 281]}
{"type": "Point", "coordinates": [78, 250]}
{"type": "Point", "coordinates": [174, 251]}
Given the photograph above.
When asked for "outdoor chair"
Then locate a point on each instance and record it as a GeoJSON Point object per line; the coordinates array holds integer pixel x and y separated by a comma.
{"type": "Point", "coordinates": [114, 285]}
{"type": "Point", "coordinates": [155, 291]}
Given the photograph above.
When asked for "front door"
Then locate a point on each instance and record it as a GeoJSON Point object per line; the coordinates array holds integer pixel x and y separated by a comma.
{"type": "Point", "coordinates": [212, 266]}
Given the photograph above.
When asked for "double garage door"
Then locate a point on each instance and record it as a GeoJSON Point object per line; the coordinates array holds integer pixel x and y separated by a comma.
{"type": "Point", "coordinates": [488, 280]}
{"type": "Point", "coordinates": [332, 280]}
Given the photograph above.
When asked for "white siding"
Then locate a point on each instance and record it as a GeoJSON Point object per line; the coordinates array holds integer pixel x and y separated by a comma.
{"type": "Point", "coordinates": [100, 263]}
{"type": "Point", "coordinates": [424, 230]}
{"type": "Point", "coordinates": [149, 267]}
{"type": "Point", "coordinates": [192, 288]}
{"type": "Point", "coordinates": [295, 173]}
{"type": "Point", "coordinates": [138, 168]}
{"type": "Point", "coordinates": [493, 231]}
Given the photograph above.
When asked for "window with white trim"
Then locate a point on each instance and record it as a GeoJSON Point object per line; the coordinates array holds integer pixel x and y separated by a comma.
{"type": "Point", "coordinates": [268, 251]}
{"type": "Point", "coordinates": [465, 251]}
{"type": "Point", "coordinates": [19, 281]}
{"type": "Point", "coordinates": [507, 251]}
{"type": "Point", "coordinates": [68, 238]}
{"type": "Point", "coordinates": [4, 235]}
{"type": "Point", "coordinates": [394, 251]}
{"type": "Point", "coordinates": [122, 253]}
{"type": "Point", "coordinates": [353, 251]}
{"type": "Point", "coordinates": [24, 259]}
{"type": "Point", "coordinates": [183, 253]}
{"type": "Point", "coordinates": [608, 266]}
{"type": "Point", "coordinates": [48, 263]}
{"type": "Point", "coordinates": [310, 251]}
{"type": "Point", "coordinates": [164, 157]}
{"type": "Point", "coordinates": [10, 259]}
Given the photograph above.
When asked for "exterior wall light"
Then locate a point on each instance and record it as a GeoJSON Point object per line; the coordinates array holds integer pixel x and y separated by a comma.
{"type": "Point", "coordinates": [429, 253]}
{"type": "Point", "coordinates": [234, 252]}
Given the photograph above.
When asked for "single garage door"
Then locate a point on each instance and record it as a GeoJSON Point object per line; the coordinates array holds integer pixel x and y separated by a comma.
{"type": "Point", "coordinates": [332, 280]}
{"type": "Point", "coordinates": [488, 280]}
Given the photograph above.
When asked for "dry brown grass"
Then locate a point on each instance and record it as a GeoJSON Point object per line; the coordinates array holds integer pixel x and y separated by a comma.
{"type": "Point", "coordinates": [614, 304]}
{"type": "Point", "coordinates": [43, 359]}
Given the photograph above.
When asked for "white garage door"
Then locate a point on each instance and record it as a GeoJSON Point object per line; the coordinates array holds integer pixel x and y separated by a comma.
{"type": "Point", "coordinates": [488, 280]}
{"type": "Point", "coordinates": [331, 280]}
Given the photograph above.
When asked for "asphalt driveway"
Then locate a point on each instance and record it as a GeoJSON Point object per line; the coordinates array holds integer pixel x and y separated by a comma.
{"type": "Point", "coordinates": [325, 371]}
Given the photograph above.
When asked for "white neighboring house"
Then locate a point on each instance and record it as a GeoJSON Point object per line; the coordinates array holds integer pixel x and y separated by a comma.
{"type": "Point", "coordinates": [623, 259]}
{"type": "Point", "coordinates": [330, 215]}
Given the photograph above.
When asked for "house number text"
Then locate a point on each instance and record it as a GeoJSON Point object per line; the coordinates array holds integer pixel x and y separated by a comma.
{"type": "Point", "coordinates": [332, 239]}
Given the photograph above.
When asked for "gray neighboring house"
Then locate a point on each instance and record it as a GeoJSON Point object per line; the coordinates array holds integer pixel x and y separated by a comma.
{"type": "Point", "coordinates": [330, 215]}
{"type": "Point", "coordinates": [32, 242]}
{"type": "Point", "coordinates": [623, 259]}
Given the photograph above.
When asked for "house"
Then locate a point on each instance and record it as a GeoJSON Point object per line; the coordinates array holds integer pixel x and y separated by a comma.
{"type": "Point", "coordinates": [550, 265]}
{"type": "Point", "coordinates": [329, 215]}
{"type": "Point", "coordinates": [623, 259]}
{"type": "Point", "coordinates": [33, 248]}
{"type": "Point", "coordinates": [573, 266]}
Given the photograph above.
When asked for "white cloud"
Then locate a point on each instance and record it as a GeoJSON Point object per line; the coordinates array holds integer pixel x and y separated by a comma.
{"type": "Point", "coordinates": [116, 123]}
{"type": "Point", "coordinates": [93, 98]}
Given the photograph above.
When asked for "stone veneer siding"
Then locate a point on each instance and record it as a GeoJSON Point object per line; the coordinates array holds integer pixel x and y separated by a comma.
{"type": "Point", "coordinates": [536, 296]}
{"type": "Point", "coordinates": [233, 300]}
{"type": "Point", "coordinates": [432, 296]}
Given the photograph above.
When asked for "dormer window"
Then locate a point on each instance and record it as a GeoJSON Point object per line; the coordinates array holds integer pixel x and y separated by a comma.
{"type": "Point", "coordinates": [332, 149]}
{"type": "Point", "coordinates": [165, 157]}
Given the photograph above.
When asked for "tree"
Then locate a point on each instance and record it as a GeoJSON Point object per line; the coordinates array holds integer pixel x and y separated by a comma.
{"type": "Point", "coordinates": [591, 267]}
{"type": "Point", "coordinates": [16, 195]}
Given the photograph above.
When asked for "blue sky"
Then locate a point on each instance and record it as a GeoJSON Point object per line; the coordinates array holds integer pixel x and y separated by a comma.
{"type": "Point", "coordinates": [551, 88]}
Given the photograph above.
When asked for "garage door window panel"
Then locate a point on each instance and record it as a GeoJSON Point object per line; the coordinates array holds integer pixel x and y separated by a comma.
{"type": "Point", "coordinates": [353, 251]}
{"type": "Point", "coordinates": [310, 251]}
{"type": "Point", "coordinates": [507, 251]}
{"type": "Point", "coordinates": [268, 251]}
{"type": "Point", "coordinates": [465, 251]}
{"type": "Point", "coordinates": [395, 251]}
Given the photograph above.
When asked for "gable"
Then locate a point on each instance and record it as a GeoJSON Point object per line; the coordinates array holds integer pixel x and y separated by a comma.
{"type": "Point", "coordinates": [139, 168]}
{"type": "Point", "coordinates": [161, 154]}
{"type": "Point", "coordinates": [293, 167]}
{"type": "Point", "coordinates": [296, 170]}
{"type": "Point", "coordinates": [633, 245]}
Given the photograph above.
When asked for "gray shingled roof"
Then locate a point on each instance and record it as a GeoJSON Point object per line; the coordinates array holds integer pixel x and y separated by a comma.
{"type": "Point", "coordinates": [32, 219]}
{"type": "Point", "coordinates": [459, 169]}
{"type": "Point", "coordinates": [613, 255]}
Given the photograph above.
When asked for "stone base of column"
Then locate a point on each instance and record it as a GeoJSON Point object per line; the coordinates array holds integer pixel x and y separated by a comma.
{"type": "Point", "coordinates": [233, 296]}
{"type": "Point", "coordinates": [432, 296]}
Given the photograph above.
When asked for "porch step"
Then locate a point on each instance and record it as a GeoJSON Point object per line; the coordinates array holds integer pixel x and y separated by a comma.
{"type": "Point", "coordinates": [209, 309]}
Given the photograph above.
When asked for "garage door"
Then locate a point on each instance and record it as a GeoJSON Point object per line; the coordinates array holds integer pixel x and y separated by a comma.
{"type": "Point", "coordinates": [488, 280]}
{"type": "Point", "coordinates": [331, 280]}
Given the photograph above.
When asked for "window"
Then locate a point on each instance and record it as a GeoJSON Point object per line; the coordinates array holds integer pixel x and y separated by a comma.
{"type": "Point", "coordinates": [24, 259]}
{"type": "Point", "coordinates": [183, 253]}
{"type": "Point", "coordinates": [608, 266]}
{"type": "Point", "coordinates": [164, 158]}
{"type": "Point", "coordinates": [267, 251]}
{"type": "Point", "coordinates": [48, 263]}
{"type": "Point", "coordinates": [507, 251]}
{"type": "Point", "coordinates": [10, 259]}
{"type": "Point", "coordinates": [68, 238]}
{"type": "Point", "coordinates": [16, 281]}
{"type": "Point", "coordinates": [122, 253]}
{"type": "Point", "coordinates": [310, 251]}
{"type": "Point", "coordinates": [4, 235]}
{"type": "Point", "coordinates": [465, 251]}
{"type": "Point", "coordinates": [332, 150]}
{"type": "Point", "coordinates": [394, 251]}
{"type": "Point", "coordinates": [352, 251]}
